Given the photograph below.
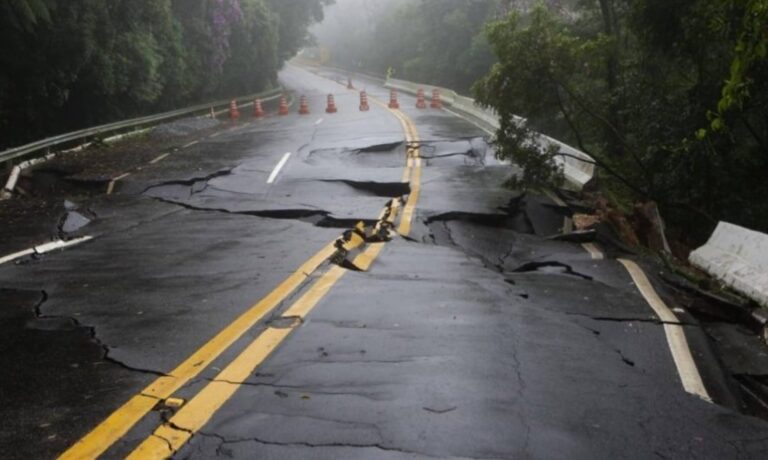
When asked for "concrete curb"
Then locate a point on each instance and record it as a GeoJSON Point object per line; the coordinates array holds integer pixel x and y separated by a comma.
{"type": "Point", "coordinates": [739, 258]}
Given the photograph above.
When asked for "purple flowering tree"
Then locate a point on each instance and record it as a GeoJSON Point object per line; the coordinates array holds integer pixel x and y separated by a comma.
{"type": "Point", "coordinates": [224, 16]}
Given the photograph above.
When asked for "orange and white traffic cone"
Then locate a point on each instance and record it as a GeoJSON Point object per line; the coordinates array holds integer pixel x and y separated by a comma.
{"type": "Point", "coordinates": [349, 83]}
{"type": "Point", "coordinates": [258, 110]}
{"type": "Point", "coordinates": [234, 113]}
{"type": "Point", "coordinates": [364, 107]}
{"type": "Point", "coordinates": [393, 104]}
{"type": "Point", "coordinates": [437, 102]}
{"type": "Point", "coordinates": [304, 106]}
{"type": "Point", "coordinates": [283, 109]}
{"type": "Point", "coordinates": [331, 105]}
{"type": "Point", "coordinates": [421, 102]}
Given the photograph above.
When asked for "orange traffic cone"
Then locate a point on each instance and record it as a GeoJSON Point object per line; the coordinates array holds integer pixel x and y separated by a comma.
{"type": "Point", "coordinates": [349, 83]}
{"type": "Point", "coordinates": [304, 106]}
{"type": "Point", "coordinates": [234, 113]}
{"type": "Point", "coordinates": [393, 104]}
{"type": "Point", "coordinates": [437, 103]}
{"type": "Point", "coordinates": [283, 110]}
{"type": "Point", "coordinates": [331, 105]}
{"type": "Point", "coordinates": [421, 103]}
{"type": "Point", "coordinates": [364, 107]}
{"type": "Point", "coordinates": [258, 110]}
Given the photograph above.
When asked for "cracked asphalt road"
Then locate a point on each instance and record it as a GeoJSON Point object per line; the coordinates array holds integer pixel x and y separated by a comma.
{"type": "Point", "coordinates": [474, 336]}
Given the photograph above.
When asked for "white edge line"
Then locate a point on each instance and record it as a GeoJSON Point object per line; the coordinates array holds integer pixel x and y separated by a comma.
{"type": "Point", "coordinates": [317, 123]}
{"type": "Point", "coordinates": [279, 166]}
{"type": "Point", "coordinates": [44, 248]}
{"type": "Point", "coordinates": [159, 159]}
{"type": "Point", "coordinates": [16, 255]}
{"type": "Point", "coordinates": [190, 144]}
{"type": "Point", "coordinates": [678, 344]}
{"type": "Point", "coordinates": [60, 244]}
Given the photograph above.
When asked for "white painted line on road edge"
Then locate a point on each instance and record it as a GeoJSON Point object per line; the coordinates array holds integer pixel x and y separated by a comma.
{"type": "Point", "coordinates": [60, 244]}
{"type": "Point", "coordinates": [678, 344]}
{"type": "Point", "coordinates": [44, 248]}
{"type": "Point", "coordinates": [159, 159]}
{"type": "Point", "coordinates": [111, 186]}
{"type": "Point", "coordinates": [317, 123]}
{"type": "Point", "coordinates": [279, 166]}
{"type": "Point", "coordinates": [190, 144]}
{"type": "Point", "coordinates": [16, 255]}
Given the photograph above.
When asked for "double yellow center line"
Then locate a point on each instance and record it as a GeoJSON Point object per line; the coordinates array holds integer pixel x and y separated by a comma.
{"type": "Point", "coordinates": [173, 434]}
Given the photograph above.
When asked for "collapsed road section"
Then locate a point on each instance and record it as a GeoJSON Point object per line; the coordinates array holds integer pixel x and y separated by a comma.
{"type": "Point", "coordinates": [385, 296]}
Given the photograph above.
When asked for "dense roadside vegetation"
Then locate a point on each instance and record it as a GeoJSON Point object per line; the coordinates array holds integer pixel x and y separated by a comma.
{"type": "Point", "coordinates": [67, 64]}
{"type": "Point", "coordinates": [669, 96]}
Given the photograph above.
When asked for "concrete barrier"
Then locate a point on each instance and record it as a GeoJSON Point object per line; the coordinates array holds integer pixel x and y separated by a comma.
{"type": "Point", "coordinates": [578, 167]}
{"type": "Point", "coordinates": [739, 258]}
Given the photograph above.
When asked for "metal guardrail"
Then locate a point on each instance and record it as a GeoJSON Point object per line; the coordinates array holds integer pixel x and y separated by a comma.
{"type": "Point", "coordinates": [46, 145]}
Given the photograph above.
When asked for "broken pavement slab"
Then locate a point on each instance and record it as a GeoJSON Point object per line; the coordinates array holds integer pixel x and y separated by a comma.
{"type": "Point", "coordinates": [474, 337]}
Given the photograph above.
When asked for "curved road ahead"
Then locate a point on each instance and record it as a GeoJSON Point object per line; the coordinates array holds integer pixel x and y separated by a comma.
{"type": "Point", "coordinates": [353, 285]}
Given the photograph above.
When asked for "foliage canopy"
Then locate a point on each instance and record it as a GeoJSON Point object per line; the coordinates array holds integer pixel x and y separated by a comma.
{"type": "Point", "coordinates": [66, 64]}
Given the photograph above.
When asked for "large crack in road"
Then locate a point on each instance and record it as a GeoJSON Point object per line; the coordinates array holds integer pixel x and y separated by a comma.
{"type": "Point", "coordinates": [484, 321]}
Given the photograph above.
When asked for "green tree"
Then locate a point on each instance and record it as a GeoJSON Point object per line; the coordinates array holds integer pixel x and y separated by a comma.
{"type": "Point", "coordinates": [24, 14]}
{"type": "Point", "coordinates": [294, 18]}
{"type": "Point", "coordinates": [635, 93]}
{"type": "Point", "coordinates": [66, 64]}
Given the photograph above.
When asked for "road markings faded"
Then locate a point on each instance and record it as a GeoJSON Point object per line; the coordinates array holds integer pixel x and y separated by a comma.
{"type": "Point", "coordinates": [279, 166]}
{"type": "Point", "coordinates": [678, 344]}
{"type": "Point", "coordinates": [317, 123]}
{"type": "Point", "coordinates": [119, 422]}
{"type": "Point", "coordinates": [160, 158]}
{"type": "Point", "coordinates": [190, 144]}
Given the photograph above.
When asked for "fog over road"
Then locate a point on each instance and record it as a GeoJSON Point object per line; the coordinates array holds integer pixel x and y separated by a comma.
{"type": "Point", "coordinates": [243, 317]}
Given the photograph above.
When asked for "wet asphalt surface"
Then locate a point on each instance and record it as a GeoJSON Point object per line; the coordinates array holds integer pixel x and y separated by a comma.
{"type": "Point", "coordinates": [477, 336]}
